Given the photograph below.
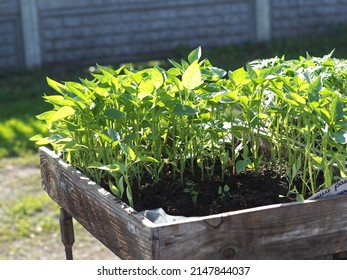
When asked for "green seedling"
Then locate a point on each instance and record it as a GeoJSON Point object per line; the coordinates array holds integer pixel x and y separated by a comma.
{"type": "Point", "coordinates": [125, 123]}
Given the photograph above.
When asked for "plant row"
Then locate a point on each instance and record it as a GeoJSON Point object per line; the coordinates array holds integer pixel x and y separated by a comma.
{"type": "Point", "coordinates": [126, 124]}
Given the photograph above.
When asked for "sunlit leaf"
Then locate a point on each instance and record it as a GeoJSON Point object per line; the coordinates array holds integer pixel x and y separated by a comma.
{"type": "Point", "coordinates": [156, 78]}
{"type": "Point", "coordinates": [147, 159]}
{"type": "Point", "coordinates": [299, 99]}
{"type": "Point", "coordinates": [191, 78]}
{"type": "Point", "coordinates": [194, 55]}
{"type": "Point", "coordinates": [238, 76]}
{"type": "Point", "coordinates": [229, 97]}
{"type": "Point", "coordinates": [145, 89]}
{"type": "Point", "coordinates": [328, 63]}
{"type": "Point", "coordinates": [58, 87]}
{"type": "Point", "coordinates": [46, 116]}
{"type": "Point", "coordinates": [128, 151]}
{"type": "Point", "coordinates": [58, 100]}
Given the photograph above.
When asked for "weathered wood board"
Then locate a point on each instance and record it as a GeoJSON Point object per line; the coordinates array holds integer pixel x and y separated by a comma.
{"type": "Point", "coordinates": [307, 230]}
{"type": "Point", "coordinates": [110, 220]}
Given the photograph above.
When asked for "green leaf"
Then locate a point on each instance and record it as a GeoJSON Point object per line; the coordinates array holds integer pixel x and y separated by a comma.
{"type": "Point", "coordinates": [130, 196]}
{"type": "Point", "coordinates": [212, 73]}
{"type": "Point", "coordinates": [238, 76]}
{"type": "Point", "coordinates": [299, 99]}
{"type": "Point", "coordinates": [324, 114]}
{"type": "Point", "coordinates": [72, 145]}
{"type": "Point", "coordinates": [183, 110]}
{"type": "Point", "coordinates": [317, 159]}
{"type": "Point", "coordinates": [328, 63]}
{"type": "Point", "coordinates": [114, 190]}
{"type": "Point", "coordinates": [194, 55]}
{"type": "Point", "coordinates": [241, 165]}
{"type": "Point", "coordinates": [76, 91]}
{"type": "Point", "coordinates": [314, 89]}
{"type": "Point", "coordinates": [58, 87]}
{"type": "Point", "coordinates": [46, 116]}
{"type": "Point", "coordinates": [104, 137]}
{"type": "Point", "coordinates": [251, 72]}
{"type": "Point", "coordinates": [229, 97]}
{"type": "Point", "coordinates": [40, 140]}
{"type": "Point", "coordinates": [262, 116]}
{"type": "Point", "coordinates": [174, 72]}
{"type": "Point", "coordinates": [191, 78]}
{"type": "Point", "coordinates": [106, 70]}
{"type": "Point", "coordinates": [176, 65]}
{"type": "Point", "coordinates": [114, 114]}
{"type": "Point", "coordinates": [95, 164]}
{"type": "Point", "coordinates": [113, 134]}
{"type": "Point", "coordinates": [36, 137]}
{"type": "Point", "coordinates": [128, 151]}
{"type": "Point", "coordinates": [340, 137]}
{"type": "Point", "coordinates": [145, 88]}
{"type": "Point", "coordinates": [299, 197]}
{"type": "Point", "coordinates": [62, 113]}
{"type": "Point", "coordinates": [113, 167]}
{"type": "Point", "coordinates": [156, 78]}
{"type": "Point", "coordinates": [120, 185]}
{"type": "Point", "coordinates": [337, 109]}
{"type": "Point", "coordinates": [58, 100]}
{"type": "Point", "coordinates": [137, 77]}
{"type": "Point", "coordinates": [147, 159]}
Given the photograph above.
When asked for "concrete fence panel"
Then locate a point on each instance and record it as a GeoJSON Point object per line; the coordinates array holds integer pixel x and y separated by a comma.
{"type": "Point", "coordinates": [36, 32]}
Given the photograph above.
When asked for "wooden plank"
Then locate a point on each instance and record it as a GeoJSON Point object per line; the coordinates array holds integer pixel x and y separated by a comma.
{"type": "Point", "coordinates": [110, 220]}
{"type": "Point", "coordinates": [284, 231]}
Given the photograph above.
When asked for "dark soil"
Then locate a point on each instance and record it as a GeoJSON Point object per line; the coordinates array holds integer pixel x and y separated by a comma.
{"type": "Point", "coordinates": [246, 190]}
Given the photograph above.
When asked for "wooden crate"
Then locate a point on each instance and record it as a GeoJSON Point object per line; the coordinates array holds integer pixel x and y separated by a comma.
{"type": "Point", "coordinates": [311, 229]}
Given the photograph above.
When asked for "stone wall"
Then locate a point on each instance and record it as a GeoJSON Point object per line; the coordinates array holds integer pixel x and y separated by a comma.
{"type": "Point", "coordinates": [36, 32]}
{"type": "Point", "coordinates": [298, 17]}
{"type": "Point", "coordinates": [128, 30]}
{"type": "Point", "coordinates": [10, 35]}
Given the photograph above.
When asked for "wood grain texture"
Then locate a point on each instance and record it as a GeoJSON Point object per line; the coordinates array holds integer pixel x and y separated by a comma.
{"type": "Point", "coordinates": [309, 230]}
{"type": "Point", "coordinates": [110, 220]}
{"type": "Point", "coordinates": [290, 231]}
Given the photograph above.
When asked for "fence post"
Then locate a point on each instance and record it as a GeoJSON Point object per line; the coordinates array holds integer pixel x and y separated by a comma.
{"type": "Point", "coordinates": [30, 33]}
{"type": "Point", "coordinates": [263, 20]}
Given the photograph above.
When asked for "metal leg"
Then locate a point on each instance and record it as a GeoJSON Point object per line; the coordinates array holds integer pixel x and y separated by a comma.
{"type": "Point", "coordinates": [67, 232]}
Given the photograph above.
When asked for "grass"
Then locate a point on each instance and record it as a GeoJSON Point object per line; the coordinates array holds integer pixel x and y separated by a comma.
{"type": "Point", "coordinates": [29, 219]}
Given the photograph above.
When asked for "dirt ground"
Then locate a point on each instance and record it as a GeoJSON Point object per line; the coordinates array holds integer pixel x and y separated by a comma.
{"type": "Point", "coordinates": [17, 181]}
